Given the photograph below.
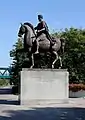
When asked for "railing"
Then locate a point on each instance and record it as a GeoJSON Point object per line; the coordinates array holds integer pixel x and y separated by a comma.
{"type": "Point", "coordinates": [5, 73]}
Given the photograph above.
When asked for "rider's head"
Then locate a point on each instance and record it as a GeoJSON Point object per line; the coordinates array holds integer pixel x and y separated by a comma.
{"type": "Point", "coordinates": [40, 17]}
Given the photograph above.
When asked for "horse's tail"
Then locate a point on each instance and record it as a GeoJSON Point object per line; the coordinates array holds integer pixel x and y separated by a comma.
{"type": "Point", "coordinates": [62, 45]}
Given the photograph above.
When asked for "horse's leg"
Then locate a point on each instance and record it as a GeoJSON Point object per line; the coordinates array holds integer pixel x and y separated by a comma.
{"type": "Point", "coordinates": [60, 61]}
{"type": "Point", "coordinates": [32, 61]}
{"type": "Point", "coordinates": [56, 54]}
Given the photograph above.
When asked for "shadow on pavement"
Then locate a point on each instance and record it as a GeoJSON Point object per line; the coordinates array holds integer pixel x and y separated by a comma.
{"type": "Point", "coordinates": [48, 113]}
{"type": "Point", "coordinates": [5, 90]}
{"type": "Point", "coordinates": [9, 102]}
{"type": "Point", "coordinates": [6, 96]}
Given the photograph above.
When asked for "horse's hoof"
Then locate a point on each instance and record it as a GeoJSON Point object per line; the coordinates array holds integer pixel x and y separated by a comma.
{"type": "Point", "coordinates": [31, 67]}
{"type": "Point", "coordinates": [36, 53]}
{"type": "Point", "coordinates": [52, 66]}
{"type": "Point", "coordinates": [59, 67]}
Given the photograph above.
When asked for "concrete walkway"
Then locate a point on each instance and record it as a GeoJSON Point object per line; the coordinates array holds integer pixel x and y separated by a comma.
{"type": "Point", "coordinates": [10, 110]}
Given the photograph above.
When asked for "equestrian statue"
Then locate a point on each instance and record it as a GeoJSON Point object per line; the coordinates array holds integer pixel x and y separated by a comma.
{"type": "Point", "coordinates": [38, 40]}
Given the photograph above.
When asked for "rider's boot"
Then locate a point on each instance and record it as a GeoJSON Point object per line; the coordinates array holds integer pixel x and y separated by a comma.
{"type": "Point", "coordinates": [37, 51]}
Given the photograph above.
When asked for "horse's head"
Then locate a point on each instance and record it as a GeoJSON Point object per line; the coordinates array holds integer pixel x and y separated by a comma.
{"type": "Point", "coordinates": [27, 30]}
{"type": "Point", "coordinates": [26, 27]}
{"type": "Point", "coordinates": [22, 30]}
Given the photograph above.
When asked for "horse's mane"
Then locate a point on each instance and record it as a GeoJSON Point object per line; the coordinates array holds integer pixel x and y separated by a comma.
{"type": "Point", "coordinates": [30, 25]}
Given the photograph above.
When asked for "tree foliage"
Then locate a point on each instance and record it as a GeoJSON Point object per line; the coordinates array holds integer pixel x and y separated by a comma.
{"type": "Point", "coordinates": [73, 57]}
{"type": "Point", "coordinates": [16, 66]}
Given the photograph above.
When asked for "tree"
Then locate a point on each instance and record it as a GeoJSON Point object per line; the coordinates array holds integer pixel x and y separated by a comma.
{"type": "Point", "coordinates": [16, 65]}
{"type": "Point", "coordinates": [73, 58]}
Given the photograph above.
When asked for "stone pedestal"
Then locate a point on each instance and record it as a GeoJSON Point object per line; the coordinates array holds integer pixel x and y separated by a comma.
{"type": "Point", "coordinates": [39, 86]}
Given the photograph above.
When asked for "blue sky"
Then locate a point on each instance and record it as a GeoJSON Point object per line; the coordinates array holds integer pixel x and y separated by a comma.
{"type": "Point", "coordinates": [57, 13]}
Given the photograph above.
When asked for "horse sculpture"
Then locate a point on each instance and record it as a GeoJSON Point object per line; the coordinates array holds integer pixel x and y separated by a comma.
{"type": "Point", "coordinates": [28, 31]}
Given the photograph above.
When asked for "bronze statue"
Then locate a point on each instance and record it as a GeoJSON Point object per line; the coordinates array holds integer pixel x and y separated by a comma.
{"type": "Point", "coordinates": [44, 43]}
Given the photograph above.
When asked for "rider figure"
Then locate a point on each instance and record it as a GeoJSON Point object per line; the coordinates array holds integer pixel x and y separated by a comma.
{"type": "Point", "coordinates": [42, 28]}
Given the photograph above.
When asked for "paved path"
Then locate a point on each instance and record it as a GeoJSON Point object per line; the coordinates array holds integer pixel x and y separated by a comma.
{"type": "Point", "coordinates": [10, 110]}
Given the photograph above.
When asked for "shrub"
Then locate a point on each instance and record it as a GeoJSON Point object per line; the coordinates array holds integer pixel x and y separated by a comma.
{"type": "Point", "coordinates": [76, 87]}
{"type": "Point", "coordinates": [4, 82]}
